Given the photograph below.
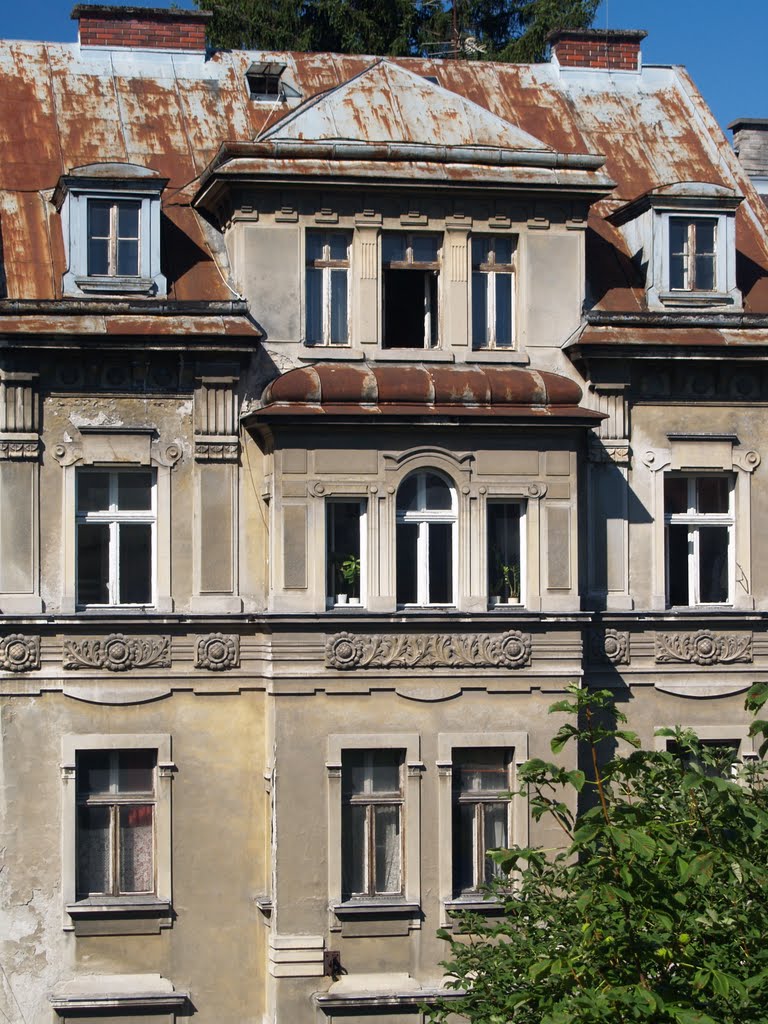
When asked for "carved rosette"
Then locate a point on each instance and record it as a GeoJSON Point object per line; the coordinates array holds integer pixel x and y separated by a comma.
{"type": "Point", "coordinates": [118, 653]}
{"type": "Point", "coordinates": [217, 652]}
{"type": "Point", "coordinates": [19, 653]}
{"type": "Point", "coordinates": [609, 645]}
{"type": "Point", "coordinates": [703, 648]}
{"type": "Point", "coordinates": [430, 650]}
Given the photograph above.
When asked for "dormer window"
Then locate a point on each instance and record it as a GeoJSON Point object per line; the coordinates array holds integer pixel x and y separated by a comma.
{"type": "Point", "coordinates": [692, 254]}
{"type": "Point", "coordinates": [263, 78]}
{"type": "Point", "coordinates": [110, 215]}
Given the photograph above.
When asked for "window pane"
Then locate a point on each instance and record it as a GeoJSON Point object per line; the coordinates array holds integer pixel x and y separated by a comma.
{"type": "Point", "coordinates": [705, 237]}
{"type": "Point", "coordinates": [504, 248]}
{"type": "Point", "coordinates": [136, 771]}
{"type": "Point", "coordinates": [705, 273]}
{"type": "Point", "coordinates": [314, 245]}
{"type": "Point", "coordinates": [678, 235]}
{"type": "Point", "coordinates": [366, 772]}
{"type": "Point", "coordinates": [677, 563]}
{"type": "Point", "coordinates": [98, 256]}
{"type": "Point", "coordinates": [479, 310]}
{"type": "Point", "coordinates": [338, 307]}
{"type": "Point", "coordinates": [464, 847]}
{"type": "Point", "coordinates": [128, 220]}
{"type": "Point", "coordinates": [93, 772]}
{"type": "Point", "coordinates": [393, 248]}
{"type": "Point", "coordinates": [136, 849]}
{"type": "Point", "coordinates": [98, 218]}
{"type": "Point", "coordinates": [481, 247]}
{"type": "Point", "coordinates": [353, 849]}
{"type": "Point", "coordinates": [343, 548]}
{"type": "Point", "coordinates": [440, 563]}
{"type": "Point", "coordinates": [93, 563]}
{"type": "Point", "coordinates": [387, 848]}
{"type": "Point", "coordinates": [713, 564]}
{"type": "Point", "coordinates": [712, 494]}
{"type": "Point", "coordinates": [424, 248]}
{"type": "Point", "coordinates": [406, 538]}
{"type": "Point", "coordinates": [503, 309]}
{"type": "Point", "coordinates": [676, 272]}
{"type": "Point", "coordinates": [385, 771]}
{"type": "Point", "coordinates": [504, 550]}
{"type": "Point", "coordinates": [93, 850]}
{"type": "Point", "coordinates": [339, 245]}
{"type": "Point", "coordinates": [135, 563]}
{"type": "Point", "coordinates": [128, 258]}
{"type": "Point", "coordinates": [314, 301]}
{"type": "Point", "coordinates": [480, 770]}
{"type": "Point", "coordinates": [134, 492]}
{"type": "Point", "coordinates": [92, 492]}
{"type": "Point", "coordinates": [438, 495]}
{"type": "Point", "coordinates": [408, 494]}
{"type": "Point", "coordinates": [675, 494]}
{"type": "Point", "coordinates": [495, 835]}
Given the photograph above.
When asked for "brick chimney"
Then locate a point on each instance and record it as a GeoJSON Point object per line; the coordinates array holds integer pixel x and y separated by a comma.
{"type": "Point", "coordinates": [141, 28]}
{"type": "Point", "coordinates": [750, 143]}
{"type": "Point", "coordinates": [607, 49]}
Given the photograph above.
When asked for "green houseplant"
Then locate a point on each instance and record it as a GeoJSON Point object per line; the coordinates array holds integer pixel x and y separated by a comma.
{"type": "Point", "coordinates": [507, 583]}
{"type": "Point", "coordinates": [348, 569]}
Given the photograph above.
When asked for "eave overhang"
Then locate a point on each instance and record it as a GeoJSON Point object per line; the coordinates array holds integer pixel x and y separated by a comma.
{"type": "Point", "coordinates": [637, 337]}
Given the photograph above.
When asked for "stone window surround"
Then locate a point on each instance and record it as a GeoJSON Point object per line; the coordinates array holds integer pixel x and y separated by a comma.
{"type": "Point", "coordinates": [115, 906]}
{"type": "Point", "coordinates": [725, 290]}
{"type": "Point", "coordinates": [113, 448]}
{"type": "Point", "coordinates": [702, 453]}
{"type": "Point", "coordinates": [410, 744]}
{"type": "Point", "coordinates": [447, 742]}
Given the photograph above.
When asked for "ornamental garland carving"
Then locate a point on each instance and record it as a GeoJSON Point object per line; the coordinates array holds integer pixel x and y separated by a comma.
{"type": "Point", "coordinates": [118, 653]}
{"type": "Point", "coordinates": [703, 648]}
{"type": "Point", "coordinates": [217, 652]}
{"type": "Point", "coordinates": [19, 653]}
{"type": "Point", "coordinates": [430, 650]}
{"type": "Point", "coordinates": [609, 645]}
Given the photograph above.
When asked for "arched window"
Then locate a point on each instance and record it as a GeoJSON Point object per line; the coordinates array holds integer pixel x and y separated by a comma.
{"type": "Point", "coordinates": [426, 540]}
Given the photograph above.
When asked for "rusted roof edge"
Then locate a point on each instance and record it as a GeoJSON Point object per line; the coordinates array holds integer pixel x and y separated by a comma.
{"type": "Point", "coordinates": [557, 415]}
{"type": "Point", "coordinates": [677, 320]}
{"type": "Point", "coordinates": [122, 307]}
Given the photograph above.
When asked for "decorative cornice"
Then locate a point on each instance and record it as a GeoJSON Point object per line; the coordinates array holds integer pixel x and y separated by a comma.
{"type": "Point", "coordinates": [21, 447]}
{"type": "Point", "coordinates": [217, 652]}
{"type": "Point", "coordinates": [217, 449]}
{"type": "Point", "coordinates": [602, 450]}
{"type": "Point", "coordinates": [429, 650]}
{"type": "Point", "coordinates": [703, 648]}
{"type": "Point", "coordinates": [609, 645]}
{"type": "Point", "coordinates": [19, 653]}
{"type": "Point", "coordinates": [118, 653]}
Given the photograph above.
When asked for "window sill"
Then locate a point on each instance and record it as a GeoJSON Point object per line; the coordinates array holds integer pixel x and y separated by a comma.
{"type": "Point", "coordinates": [375, 908]}
{"type": "Point", "coordinates": [695, 299]}
{"type": "Point", "coordinates": [474, 904]}
{"type": "Point", "coordinates": [127, 285]}
{"type": "Point", "coordinates": [414, 355]}
{"type": "Point", "coordinates": [497, 355]}
{"type": "Point", "coordinates": [319, 353]}
{"type": "Point", "coordinates": [120, 915]}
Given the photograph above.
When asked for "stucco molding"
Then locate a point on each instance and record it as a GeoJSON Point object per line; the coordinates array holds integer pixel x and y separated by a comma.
{"type": "Point", "coordinates": [618, 452]}
{"type": "Point", "coordinates": [217, 449]}
{"type": "Point", "coordinates": [117, 652]}
{"type": "Point", "coordinates": [19, 447]}
{"type": "Point", "coordinates": [511, 649]}
{"type": "Point", "coordinates": [217, 652]}
{"type": "Point", "coordinates": [703, 648]}
{"type": "Point", "coordinates": [71, 453]}
{"type": "Point", "coordinates": [609, 645]}
{"type": "Point", "coordinates": [19, 653]}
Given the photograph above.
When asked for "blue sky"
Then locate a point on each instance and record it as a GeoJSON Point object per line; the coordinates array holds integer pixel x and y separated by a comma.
{"type": "Point", "coordinates": [723, 43]}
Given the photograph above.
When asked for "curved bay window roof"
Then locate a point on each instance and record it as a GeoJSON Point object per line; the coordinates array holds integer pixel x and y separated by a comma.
{"type": "Point", "coordinates": [384, 390]}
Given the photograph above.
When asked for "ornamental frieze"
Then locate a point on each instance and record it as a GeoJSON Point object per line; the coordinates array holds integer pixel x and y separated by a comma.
{"type": "Point", "coordinates": [19, 653]}
{"type": "Point", "coordinates": [118, 653]}
{"type": "Point", "coordinates": [609, 645]}
{"type": "Point", "coordinates": [429, 650]}
{"type": "Point", "coordinates": [703, 648]}
{"type": "Point", "coordinates": [11, 450]}
{"type": "Point", "coordinates": [217, 652]}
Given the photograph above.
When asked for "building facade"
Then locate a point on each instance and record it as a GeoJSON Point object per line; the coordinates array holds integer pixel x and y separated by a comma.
{"type": "Point", "coordinates": [350, 409]}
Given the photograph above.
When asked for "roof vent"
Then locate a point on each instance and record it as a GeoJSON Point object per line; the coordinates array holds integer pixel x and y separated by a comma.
{"type": "Point", "coordinates": [263, 78]}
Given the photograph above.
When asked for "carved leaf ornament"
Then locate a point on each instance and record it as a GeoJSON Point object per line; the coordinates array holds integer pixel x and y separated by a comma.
{"type": "Point", "coordinates": [703, 648]}
{"type": "Point", "coordinates": [118, 653]}
{"type": "Point", "coordinates": [430, 650]}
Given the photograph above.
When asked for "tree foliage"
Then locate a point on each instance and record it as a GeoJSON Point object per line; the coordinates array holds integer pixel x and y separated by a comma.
{"type": "Point", "coordinates": [506, 30]}
{"type": "Point", "coordinates": [653, 911]}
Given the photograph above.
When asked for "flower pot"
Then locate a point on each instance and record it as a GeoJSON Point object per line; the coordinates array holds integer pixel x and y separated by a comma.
{"type": "Point", "coordinates": [341, 598]}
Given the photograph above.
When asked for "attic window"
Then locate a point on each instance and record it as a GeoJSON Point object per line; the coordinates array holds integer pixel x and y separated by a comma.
{"type": "Point", "coordinates": [263, 78]}
{"type": "Point", "coordinates": [431, 78]}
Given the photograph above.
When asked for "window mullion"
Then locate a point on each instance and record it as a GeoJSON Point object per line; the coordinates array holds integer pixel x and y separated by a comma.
{"type": "Point", "coordinates": [491, 301]}
{"type": "Point", "coordinates": [693, 565]}
{"type": "Point", "coordinates": [114, 563]}
{"type": "Point", "coordinates": [369, 852]}
{"type": "Point", "coordinates": [423, 567]}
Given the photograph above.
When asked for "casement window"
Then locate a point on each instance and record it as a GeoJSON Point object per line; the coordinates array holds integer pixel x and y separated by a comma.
{"type": "Point", "coordinates": [425, 540]}
{"type": "Point", "coordinates": [493, 291]}
{"type": "Point", "coordinates": [327, 287]}
{"type": "Point", "coordinates": [482, 809]}
{"type": "Point", "coordinates": [505, 552]}
{"type": "Point", "coordinates": [371, 823]}
{"type": "Point", "coordinates": [693, 254]}
{"type": "Point", "coordinates": [411, 267]}
{"type": "Point", "coordinates": [699, 543]}
{"type": "Point", "coordinates": [344, 551]}
{"type": "Point", "coordinates": [115, 545]}
{"type": "Point", "coordinates": [116, 800]}
{"type": "Point", "coordinates": [113, 237]}
{"type": "Point", "coordinates": [726, 754]}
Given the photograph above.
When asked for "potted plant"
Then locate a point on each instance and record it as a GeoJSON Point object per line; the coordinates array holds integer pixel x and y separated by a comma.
{"type": "Point", "coordinates": [507, 586]}
{"type": "Point", "coordinates": [348, 567]}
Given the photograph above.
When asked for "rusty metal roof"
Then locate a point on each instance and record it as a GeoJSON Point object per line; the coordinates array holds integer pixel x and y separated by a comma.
{"type": "Point", "coordinates": [418, 390]}
{"type": "Point", "coordinates": [62, 108]}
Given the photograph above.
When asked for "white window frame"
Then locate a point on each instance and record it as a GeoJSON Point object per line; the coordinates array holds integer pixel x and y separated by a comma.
{"type": "Point", "coordinates": [516, 743]}
{"type": "Point", "coordinates": [490, 271]}
{"type": "Point", "coordinates": [409, 743]}
{"type": "Point", "coordinates": [431, 316]}
{"type": "Point", "coordinates": [331, 599]}
{"type": "Point", "coordinates": [695, 521]}
{"type": "Point", "coordinates": [423, 519]}
{"type": "Point", "coordinates": [114, 519]}
{"type": "Point", "coordinates": [326, 265]}
{"type": "Point", "coordinates": [690, 253]}
{"type": "Point", "coordinates": [104, 905]}
{"type": "Point", "coordinates": [522, 504]}
{"type": "Point", "coordinates": [725, 291]}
